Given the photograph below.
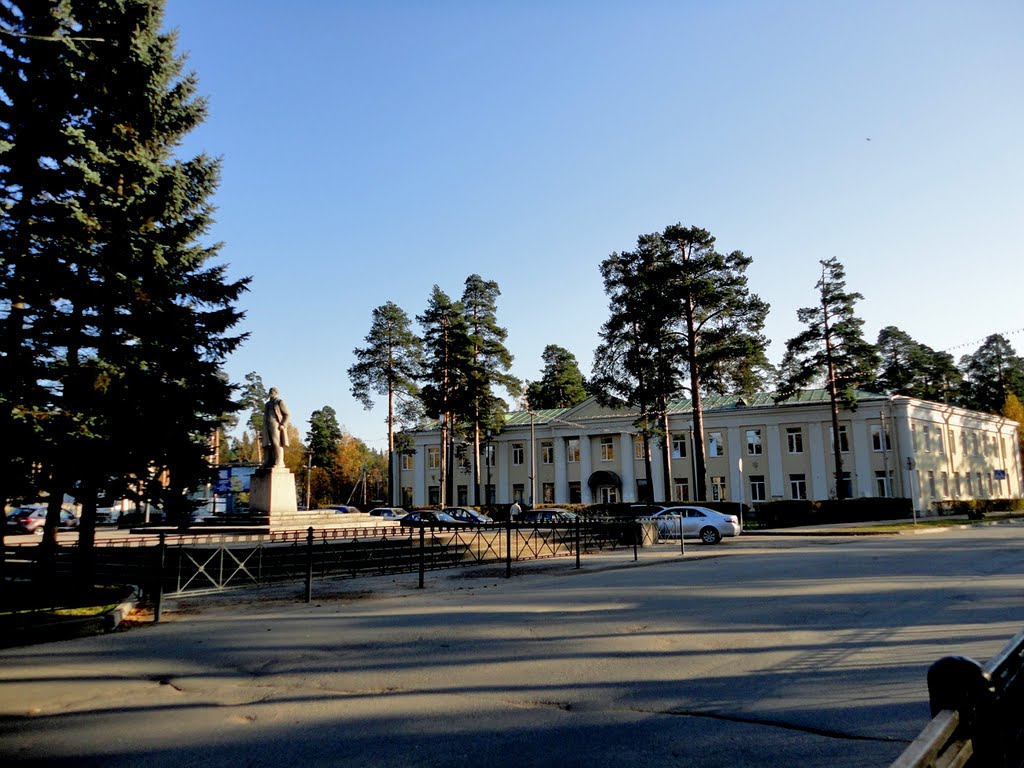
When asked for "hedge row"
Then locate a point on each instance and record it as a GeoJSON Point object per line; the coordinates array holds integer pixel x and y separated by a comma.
{"type": "Point", "coordinates": [976, 509]}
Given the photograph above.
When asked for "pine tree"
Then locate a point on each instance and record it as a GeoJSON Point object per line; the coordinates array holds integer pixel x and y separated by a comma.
{"type": "Point", "coordinates": [831, 348]}
{"type": "Point", "coordinates": [389, 365]}
{"type": "Point", "coordinates": [719, 325]}
{"type": "Point", "coordinates": [991, 374]}
{"type": "Point", "coordinates": [447, 360]}
{"type": "Point", "coordinates": [561, 383]}
{"type": "Point", "coordinates": [910, 368]}
{"type": "Point", "coordinates": [489, 364]}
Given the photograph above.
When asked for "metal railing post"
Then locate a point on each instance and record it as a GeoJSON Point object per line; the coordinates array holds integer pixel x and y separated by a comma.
{"type": "Point", "coordinates": [309, 564]}
{"type": "Point", "coordinates": [158, 598]}
{"type": "Point", "coordinates": [577, 543]}
{"type": "Point", "coordinates": [508, 547]}
{"type": "Point", "coordinates": [638, 531]}
{"type": "Point", "coordinates": [423, 555]}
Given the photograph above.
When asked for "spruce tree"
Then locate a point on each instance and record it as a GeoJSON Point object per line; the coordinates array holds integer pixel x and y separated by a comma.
{"type": "Point", "coordinates": [139, 320]}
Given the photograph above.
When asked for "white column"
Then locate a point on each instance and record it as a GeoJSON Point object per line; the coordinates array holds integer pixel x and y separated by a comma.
{"type": "Point", "coordinates": [658, 470]}
{"type": "Point", "coordinates": [773, 449]}
{"type": "Point", "coordinates": [502, 492]}
{"type": "Point", "coordinates": [817, 437]}
{"type": "Point", "coordinates": [419, 473]}
{"type": "Point", "coordinates": [561, 475]}
{"type": "Point", "coordinates": [737, 448]}
{"type": "Point", "coordinates": [626, 466]}
{"type": "Point", "coordinates": [586, 495]}
{"type": "Point", "coordinates": [862, 474]}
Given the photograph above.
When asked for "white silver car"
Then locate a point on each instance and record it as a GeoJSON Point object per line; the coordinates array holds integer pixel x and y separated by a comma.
{"type": "Point", "coordinates": [697, 523]}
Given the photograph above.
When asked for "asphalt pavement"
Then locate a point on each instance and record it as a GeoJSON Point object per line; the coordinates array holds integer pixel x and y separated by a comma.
{"type": "Point", "coordinates": [757, 652]}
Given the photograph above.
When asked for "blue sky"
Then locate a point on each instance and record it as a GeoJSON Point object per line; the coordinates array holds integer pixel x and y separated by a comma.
{"type": "Point", "coordinates": [374, 149]}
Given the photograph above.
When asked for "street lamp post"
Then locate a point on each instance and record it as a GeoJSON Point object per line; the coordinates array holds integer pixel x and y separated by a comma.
{"type": "Point", "coordinates": [533, 462]}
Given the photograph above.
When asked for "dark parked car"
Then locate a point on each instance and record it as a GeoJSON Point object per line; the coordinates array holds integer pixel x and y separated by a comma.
{"type": "Point", "coordinates": [343, 509]}
{"type": "Point", "coordinates": [545, 516]}
{"type": "Point", "coordinates": [428, 517]}
{"type": "Point", "coordinates": [33, 520]}
{"type": "Point", "coordinates": [467, 515]}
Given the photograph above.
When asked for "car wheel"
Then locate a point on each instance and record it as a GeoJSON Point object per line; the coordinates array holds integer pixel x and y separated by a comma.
{"type": "Point", "coordinates": [710, 535]}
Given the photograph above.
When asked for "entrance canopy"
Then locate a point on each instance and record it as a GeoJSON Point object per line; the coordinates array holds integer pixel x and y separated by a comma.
{"type": "Point", "coordinates": [604, 477]}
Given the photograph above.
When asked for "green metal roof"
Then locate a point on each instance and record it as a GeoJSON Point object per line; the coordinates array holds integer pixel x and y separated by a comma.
{"type": "Point", "coordinates": [682, 405]}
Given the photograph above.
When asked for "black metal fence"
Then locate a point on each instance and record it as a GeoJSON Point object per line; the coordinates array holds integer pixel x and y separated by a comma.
{"type": "Point", "coordinates": [977, 713]}
{"type": "Point", "coordinates": [179, 564]}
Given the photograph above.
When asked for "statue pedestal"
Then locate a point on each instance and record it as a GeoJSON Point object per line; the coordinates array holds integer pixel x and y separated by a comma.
{"type": "Point", "coordinates": [272, 491]}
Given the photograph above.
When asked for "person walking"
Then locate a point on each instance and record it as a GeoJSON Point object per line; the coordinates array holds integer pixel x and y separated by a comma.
{"type": "Point", "coordinates": [515, 510]}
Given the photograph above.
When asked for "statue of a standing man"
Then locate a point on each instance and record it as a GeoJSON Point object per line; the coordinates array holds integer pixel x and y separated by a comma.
{"type": "Point", "coordinates": [275, 430]}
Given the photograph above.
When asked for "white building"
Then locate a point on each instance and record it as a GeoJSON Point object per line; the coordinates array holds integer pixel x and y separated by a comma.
{"type": "Point", "coordinates": [756, 451]}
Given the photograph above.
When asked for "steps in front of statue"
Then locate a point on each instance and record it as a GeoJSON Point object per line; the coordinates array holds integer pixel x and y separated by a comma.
{"type": "Point", "coordinates": [322, 518]}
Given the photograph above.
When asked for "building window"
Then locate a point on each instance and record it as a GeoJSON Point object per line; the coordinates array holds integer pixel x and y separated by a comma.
{"type": "Point", "coordinates": [956, 485]}
{"type": "Point", "coordinates": [753, 442]}
{"type": "Point", "coordinates": [970, 485]}
{"type": "Point", "coordinates": [981, 488]}
{"type": "Point", "coordinates": [489, 494]}
{"type": "Point", "coordinates": [572, 446]}
{"type": "Point", "coordinates": [678, 446]}
{"type": "Point", "coordinates": [462, 493]}
{"type": "Point", "coordinates": [1002, 446]}
{"type": "Point", "coordinates": [940, 442]}
{"type": "Point", "coordinates": [927, 440]}
{"type": "Point", "coordinates": [682, 491]}
{"type": "Point", "coordinates": [945, 485]}
{"type": "Point", "coordinates": [638, 447]}
{"type": "Point", "coordinates": [931, 483]}
{"type": "Point", "coordinates": [434, 495]}
{"type": "Point", "coordinates": [974, 443]}
{"type": "Point", "coordinates": [847, 486]}
{"type": "Point", "coordinates": [795, 439]}
{"type": "Point", "coordinates": [548, 493]}
{"type": "Point", "coordinates": [757, 489]}
{"type": "Point", "coordinates": [991, 487]}
{"type": "Point", "coordinates": [715, 446]}
{"type": "Point", "coordinates": [717, 488]}
{"type": "Point", "coordinates": [798, 486]}
{"type": "Point", "coordinates": [913, 435]}
{"type": "Point", "coordinates": [489, 455]}
{"type": "Point", "coordinates": [877, 443]}
{"type": "Point", "coordinates": [844, 440]}
{"type": "Point", "coordinates": [407, 496]}
{"type": "Point", "coordinates": [517, 454]}
{"type": "Point", "coordinates": [575, 494]}
{"type": "Point", "coordinates": [406, 461]}
{"type": "Point", "coordinates": [607, 449]}
{"type": "Point", "coordinates": [517, 493]}
{"type": "Point", "coordinates": [883, 483]}
{"type": "Point", "coordinates": [952, 442]}
{"type": "Point", "coordinates": [433, 457]}
{"type": "Point", "coordinates": [547, 452]}
{"type": "Point", "coordinates": [963, 442]}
